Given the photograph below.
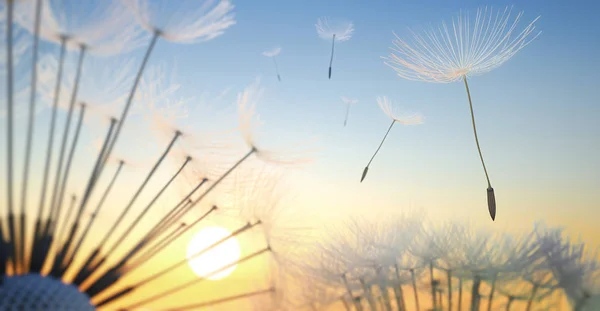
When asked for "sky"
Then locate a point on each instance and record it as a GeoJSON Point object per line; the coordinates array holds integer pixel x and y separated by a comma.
{"type": "Point", "coordinates": [536, 114]}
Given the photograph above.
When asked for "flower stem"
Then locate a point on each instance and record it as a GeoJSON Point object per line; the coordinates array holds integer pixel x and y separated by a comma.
{"type": "Point", "coordinates": [376, 151]}
{"type": "Point", "coordinates": [30, 124]}
{"type": "Point", "coordinates": [9, 131]}
{"type": "Point", "coordinates": [490, 190]}
{"type": "Point", "coordinates": [331, 59]}
{"type": "Point", "coordinates": [276, 69]}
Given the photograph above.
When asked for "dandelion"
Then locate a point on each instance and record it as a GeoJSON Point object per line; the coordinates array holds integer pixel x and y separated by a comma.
{"type": "Point", "coordinates": [391, 111]}
{"type": "Point", "coordinates": [334, 30]}
{"type": "Point", "coordinates": [348, 102]}
{"type": "Point", "coordinates": [273, 54]}
{"type": "Point", "coordinates": [464, 49]}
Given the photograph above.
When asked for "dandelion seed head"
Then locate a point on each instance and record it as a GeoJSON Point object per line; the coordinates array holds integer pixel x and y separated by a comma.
{"type": "Point", "coordinates": [349, 101]}
{"type": "Point", "coordinates": [105, 29]}
{"type": "Point", "coordinates": [327, 27]}
{"type": "Point", "coordinates": [191, 21]}
{"type": "Point", "coordinates": [272, 53]}
{"type": "Point", "coordinates": [393, 112]}
{"type": "Point", "coordinates": [465, 47]}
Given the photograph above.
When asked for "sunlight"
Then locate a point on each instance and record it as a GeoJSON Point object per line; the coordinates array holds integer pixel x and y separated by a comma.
{"type": "Point", "coordinates": [217, 257]}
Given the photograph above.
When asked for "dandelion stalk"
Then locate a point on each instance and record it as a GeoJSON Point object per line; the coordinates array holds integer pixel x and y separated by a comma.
{"type": "Point", "coordinates": [94, 215]}
{"type": "Point", "coordinates": [492, 292]}
{"type": "Point", "coordinates": [244, 228]}
{"type": "Point", "coordinates": [366, 170]}
{"type": "Point", "coordinates": [491, 199]}
{"type": "Point", "coordinates": [63, 186]}
{"type": "Point", "coordinates": [90, 184]}
{"type": "Point", "coordinates": [9, 131]}
{"type": "Point", "coordinates": [135, 196]}
{"type": "Point", "coordinates": [188, 284]}
{"type": "Point", "coordinates": [347, 113]}
{"type": "Point", "coordinates": [510, 299]}
{"type": "Point", "coordinates": [347, 285]}
{"type": "Point", "coordinates": [276, 68]}
{"type": "Point", "coordinates": [30, 126]}
{"type": "Point", "coordinates": [331, 59]}
{"type": "Point", "coordinates": [415, 290]}
{"type": "Point", "coordinates": [40, 215]}
{"type": "Point", "coordinates": [534, 291]}
{"type": "Point", "coordinates": [398, 290]}
{"type": "Point", "coordinates": [147, 208]}
{"type": "Point", "coordinates": [54, 200]}
{"type": "Point", "coordinates": [216, 183]}
{"type": "Point", "coordinates": [449, 278]}
{"type": "Point", "coordinates": [460, 291]}
{"type": "Point", "coordinates": [223, 300]}
{"type": "Point", "coordinates": [475, 296]}
{"type": "Point", "coordinates": [63, 231]}
{"type": "Point", "coordinates": [130, 97]}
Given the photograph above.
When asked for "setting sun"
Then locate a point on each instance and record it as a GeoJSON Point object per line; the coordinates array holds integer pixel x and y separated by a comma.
{"type": "Point", "coordinates": [217, 257]}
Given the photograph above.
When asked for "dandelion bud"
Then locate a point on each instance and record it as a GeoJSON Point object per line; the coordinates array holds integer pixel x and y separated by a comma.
{"type": "Point", "coordinates": [491, 198]}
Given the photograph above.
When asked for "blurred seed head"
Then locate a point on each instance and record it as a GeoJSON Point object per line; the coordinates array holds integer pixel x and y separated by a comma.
{"type": "Point", "coordinates": [187, 22]}
{"type": "Point", "coordinates": [272, 53]}
{"type": "Point", "coordinates": [105, 28]}
{"type": "Point", "coordinates": [393, 112]}
{"type": "Point", "coordinates": [349, 101]}
{"type": "Point", "coordinates": [327, 27]}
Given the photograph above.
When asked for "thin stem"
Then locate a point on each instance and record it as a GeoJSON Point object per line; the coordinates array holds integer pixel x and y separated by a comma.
{"type": "Point", "coordinates": [331, 59]}
{"type": "Point", "coordinates": [63, 231]}
{"type": "Point", "coordinates": [415, 290]}
{"type": "Point", "coordinates": [376, 151]}
{"type": "Point", "coordinates": [449, 277]}
{"type": "Point", "coordinates": [492, 292]}
{"type": "Point", "coordinates": [63, 252]}
{"type": "Point", "coordinates": [347, 112]}
{"type": "Point", "coordinates": [475, 132]}
{"type": "Point", "coordinates": [276, 69]}
{"type": "Point", "coordinates": [90, 185]}
{"type": "Point", "coordinates": [52, 126]}
{"type": "Point", "coordinates": [9, 125]}
{"type": "Point", "coordinates": [223, 300]}
{"type": "Point", "coordinates": [433, 287]}
{"type": "Point", "coordinates": [216, 183]}
{"type": "Point", "coordinates": [197, 254]}
{"type": "Point", "coordinates": [186, 285]}
{"type": "Point", "coordinates": [136, 82]}
{"type": "Point", "coordinates": [70, 157]}
{"type": "Point", "coordinates": [140, 188]}
{"type": "Point", "coordinates": [30, 125]}
{"type": "Point", "coordinates": [95, 214]}
{"type": "Point", "coordinates": [460, 291]}
{"type": "Point", "coordinates": [491, 198]}
{"type": "Point", "coordinates": [147, 208]}
{"type": "Point", "coordinates": [63, 146]}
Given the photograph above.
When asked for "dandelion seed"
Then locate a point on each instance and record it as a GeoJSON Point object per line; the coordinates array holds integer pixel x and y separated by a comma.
{"type": "Point", "coordinates": [348, 102]}
{"type": "Point", "coordinates": [391, 111]}
{"type": "Point", "coordinates": [197, 23]}
{"type": "Point", "coordinates": [336, 31]}
{"type": "Point", "coordinates": [273, 54]}
{"type": "Point", "coordinates": [466, 48]}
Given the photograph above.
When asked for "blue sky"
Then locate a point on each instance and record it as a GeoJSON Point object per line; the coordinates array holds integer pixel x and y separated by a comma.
{"type": "Point", "coordinates": [536, 114]}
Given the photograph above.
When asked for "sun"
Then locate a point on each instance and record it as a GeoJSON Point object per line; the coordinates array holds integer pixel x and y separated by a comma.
{"type": "Point", "coordinates": [217, 257]}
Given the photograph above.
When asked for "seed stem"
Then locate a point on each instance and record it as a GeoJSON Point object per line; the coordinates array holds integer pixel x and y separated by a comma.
{"type": "Point", "coordinates": [331, 59]}
{"type": "Point", "coordinates": [30, 125]}
{"type": "Point", "coordinates": [376, 151]}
